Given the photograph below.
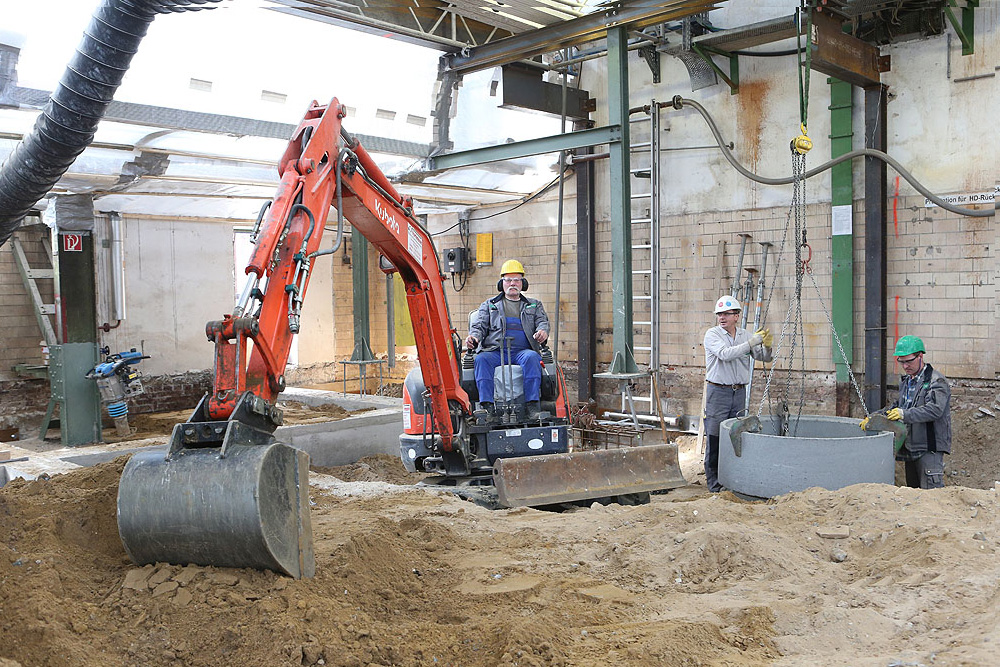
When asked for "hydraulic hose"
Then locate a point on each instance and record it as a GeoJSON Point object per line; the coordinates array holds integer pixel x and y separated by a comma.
{"type": "Point", "coordinates": [681, 102]}
{"type": "Point", "coordinates": [70, 118]}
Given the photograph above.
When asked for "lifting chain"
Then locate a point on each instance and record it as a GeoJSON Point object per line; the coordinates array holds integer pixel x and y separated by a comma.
{"type": "Point", "coordinates": [793, 316]}
{"type": "Point", "coordinates": [794, 313]}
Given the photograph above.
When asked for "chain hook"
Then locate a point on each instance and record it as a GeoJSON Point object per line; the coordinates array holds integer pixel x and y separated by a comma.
{"type": "Point", "coordinates": [802, 144]}
{"type": "Point", "coordinates": [805, 262]}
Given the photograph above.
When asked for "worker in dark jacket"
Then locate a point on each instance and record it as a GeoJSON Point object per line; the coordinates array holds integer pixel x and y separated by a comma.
{"type": "Point", "coordinates": [511, 315]}
{"type": "Point", "coordinates": [924, 405]}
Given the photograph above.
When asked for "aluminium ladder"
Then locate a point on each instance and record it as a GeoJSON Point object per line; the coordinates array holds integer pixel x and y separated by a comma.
{"type": "Point", "coordinates": [645, 232]}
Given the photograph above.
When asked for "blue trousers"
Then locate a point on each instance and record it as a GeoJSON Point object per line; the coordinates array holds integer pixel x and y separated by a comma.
{"type": "Point", "coordinates": [531, 366]}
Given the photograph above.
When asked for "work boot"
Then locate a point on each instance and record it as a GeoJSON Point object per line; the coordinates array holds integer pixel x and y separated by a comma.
{"type": "Point", "coordinates": [532, 408]}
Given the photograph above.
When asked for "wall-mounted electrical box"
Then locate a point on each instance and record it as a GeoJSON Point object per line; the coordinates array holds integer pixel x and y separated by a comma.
{"type": "Point", "coordinates": [456, 260]}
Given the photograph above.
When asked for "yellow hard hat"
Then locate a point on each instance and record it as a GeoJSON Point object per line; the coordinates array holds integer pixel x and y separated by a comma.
{"type": "Point", "coordinates": [511, 266]}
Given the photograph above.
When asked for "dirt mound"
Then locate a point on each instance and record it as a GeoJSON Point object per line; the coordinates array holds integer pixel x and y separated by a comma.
{"type": "Point", "coordinates": [975, 457]}
{"type": "Point", "coordinates": [376, 468]}
{"type": "Point", "coordinates": [422, 578]}
{"type": "Point", "coordinates": [156, 424]}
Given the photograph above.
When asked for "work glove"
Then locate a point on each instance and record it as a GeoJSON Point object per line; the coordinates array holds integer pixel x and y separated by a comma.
{"type": "Point", "coordinates": [864, 424]}
{"type": "Point", "coordinates": [895, 415]}
{"type": "Point", "coordinates": [766, 337]}
{"type": "Point", "coordinates": [757, 339]}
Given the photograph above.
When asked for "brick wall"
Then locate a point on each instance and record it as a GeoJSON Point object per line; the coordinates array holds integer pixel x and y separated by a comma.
{"type": "Point", "coordinates": [23, 403]}
{"type": "Point", "coordinates": [942, 286]}
{"type": "Point", "coordinates": [535, 247]}
{"type": "Point", "coordinates": [176, 391]}
{"type": "Point", "coordinates": [942, 276]}
{"type": "Point", "coordinates": [942, 273]}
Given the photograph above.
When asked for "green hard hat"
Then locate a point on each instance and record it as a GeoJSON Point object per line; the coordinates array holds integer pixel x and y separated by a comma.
{"type": "Point", "coordinates": [908, 345]}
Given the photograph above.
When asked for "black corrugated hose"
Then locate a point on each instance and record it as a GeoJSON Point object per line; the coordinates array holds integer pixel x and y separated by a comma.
{"type": "Point", "coordinates": [69, 120]}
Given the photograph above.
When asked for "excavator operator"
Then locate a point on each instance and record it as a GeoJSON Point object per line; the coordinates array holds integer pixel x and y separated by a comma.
{"type": "Point", "coordinates": [509, 323]}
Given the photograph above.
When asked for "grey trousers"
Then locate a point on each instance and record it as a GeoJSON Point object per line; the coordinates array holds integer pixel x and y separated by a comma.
{"type": "Point", "coordinates": [721, 403]}
{"type": "Point", "coordinates": [926, 472]}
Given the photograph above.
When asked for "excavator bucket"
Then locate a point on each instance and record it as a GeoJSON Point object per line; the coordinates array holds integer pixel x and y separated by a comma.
{"type": "Point", "coordinates": [244, 504]}
{"type": "Point", "coordinates": [547, 479]}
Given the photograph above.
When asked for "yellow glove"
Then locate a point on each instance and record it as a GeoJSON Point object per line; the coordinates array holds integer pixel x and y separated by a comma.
{"type": "Point", "coordinates": [895, 415]}
{"type": "Point", "coordinates": [864, 424]}
{"type": "Point", "coordinates": [766, 337]}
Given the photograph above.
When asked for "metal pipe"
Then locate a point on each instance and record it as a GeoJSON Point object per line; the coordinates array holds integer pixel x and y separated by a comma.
{"type": "Point", "coordinates": [868, 153]}
{"type": "Point", "coordinates": [117, 267]}
{"type": "Point", "coordinates": [390, 318]}
{"type": "Point", "coordinates": [576, 159]}
{"type": "Point", "coordinates": [651, 419]}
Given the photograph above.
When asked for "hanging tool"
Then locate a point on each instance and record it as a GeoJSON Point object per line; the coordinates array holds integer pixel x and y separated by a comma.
{"type": "Point", "coordinates": [758, 322]}
{"type": "Point", "coordinates": [745, 296]}
{"type": "Point", "coordinates": [739, 264]}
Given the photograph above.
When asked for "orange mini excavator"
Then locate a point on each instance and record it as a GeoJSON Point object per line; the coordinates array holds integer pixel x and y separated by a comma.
{"type": "Point", "coordinates": [227, 493]}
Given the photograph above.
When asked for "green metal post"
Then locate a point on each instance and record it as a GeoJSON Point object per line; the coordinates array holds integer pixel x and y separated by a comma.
{"type": "Point", "coordinates": [362, 327]}
{"type": "Point", "coordinates": [78, 398]}
{"type": "Point", "coordinates": [842, 200]}
{"type": "Point", "coordinates": [621, 204]}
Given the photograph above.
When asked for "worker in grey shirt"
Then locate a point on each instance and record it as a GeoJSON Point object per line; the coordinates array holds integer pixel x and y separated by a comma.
{"type": "Point", "coordinates": [729, 355]}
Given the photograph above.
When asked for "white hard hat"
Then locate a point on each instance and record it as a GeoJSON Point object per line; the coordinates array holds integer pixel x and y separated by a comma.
{"type": "Point", "coordinates": [727, 302]}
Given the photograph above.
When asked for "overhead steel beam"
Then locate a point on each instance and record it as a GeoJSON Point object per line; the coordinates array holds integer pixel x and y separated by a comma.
{"type": "Point", "coordinates": [844, 56]}
{"type": "Point", "coordinates": [629, 15]}
{"type": "Point", "coordinates": [523, 88]}
{"type": "Point", "coordinates": [365, 24]}
{"type": "Point", "coordinates": [559, 142]}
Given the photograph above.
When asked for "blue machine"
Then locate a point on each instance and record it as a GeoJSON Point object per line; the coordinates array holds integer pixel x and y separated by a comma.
{"type": "Point", "coordinates": [118, 379]}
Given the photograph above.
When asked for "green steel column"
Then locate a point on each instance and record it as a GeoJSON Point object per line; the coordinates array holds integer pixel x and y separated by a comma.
{"type": "Point", "coordinates": [78, 398]}
{"type": "Point", "coordinates": [359, 275]}
{"type": "Point", "coordinates": [621, 208]}
{"type": "Point", "coordinates": [842, 200]}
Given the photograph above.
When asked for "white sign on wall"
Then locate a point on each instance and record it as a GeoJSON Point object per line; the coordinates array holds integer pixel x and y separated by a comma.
{"type": "Point", "coordinates": [843, 219]}
{"type": "Point", "coordinates": [967, 198]}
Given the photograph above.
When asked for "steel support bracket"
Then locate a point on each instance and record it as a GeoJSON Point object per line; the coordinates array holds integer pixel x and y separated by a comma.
{"type": "Point", "coordinates": [966, 28]}
{"type": "Point", "coordinates": [652, 58]}
{"type": "Point", "coordinates": [733, 79]}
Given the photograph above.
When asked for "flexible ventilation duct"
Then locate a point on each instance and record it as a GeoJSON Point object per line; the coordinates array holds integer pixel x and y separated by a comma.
{"type": "Point", "coordinates": [69, 121]}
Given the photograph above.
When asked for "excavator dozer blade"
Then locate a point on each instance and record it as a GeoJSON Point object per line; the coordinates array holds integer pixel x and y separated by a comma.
{"type": "Point", "coordinates": [547, 479]}
{"type": "Point", "coordinates": [246, 508]}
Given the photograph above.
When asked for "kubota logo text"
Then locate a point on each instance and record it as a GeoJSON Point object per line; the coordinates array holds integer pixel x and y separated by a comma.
{"type": "Point", "coordinates": [388, 219]}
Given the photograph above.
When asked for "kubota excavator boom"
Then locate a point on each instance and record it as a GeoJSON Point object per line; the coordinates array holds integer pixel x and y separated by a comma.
{"type": "Point", "coordinates": [227, 493]}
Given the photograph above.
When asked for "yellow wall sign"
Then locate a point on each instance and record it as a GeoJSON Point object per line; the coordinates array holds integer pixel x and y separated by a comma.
{"type": "Point", "coordinates": [484, 249]}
